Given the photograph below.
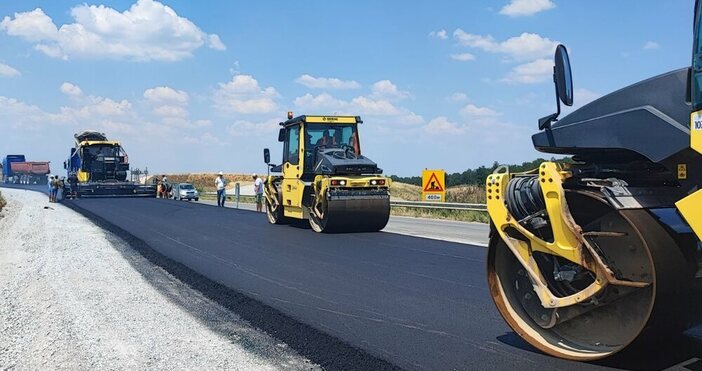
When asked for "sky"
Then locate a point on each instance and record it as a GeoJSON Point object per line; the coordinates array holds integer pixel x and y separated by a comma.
{"type": "Point", "coordinates": [200, 86]}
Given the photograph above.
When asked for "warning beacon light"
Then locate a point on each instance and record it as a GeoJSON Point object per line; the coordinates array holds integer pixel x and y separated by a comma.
{"type": "Point", "coordinates": [290, 115]}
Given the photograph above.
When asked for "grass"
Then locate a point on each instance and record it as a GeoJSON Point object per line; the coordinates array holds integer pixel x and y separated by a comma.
{"type": "Point", "coordinates": [460, 194]}
{"type": "Point", "coordinates": [459, 215]}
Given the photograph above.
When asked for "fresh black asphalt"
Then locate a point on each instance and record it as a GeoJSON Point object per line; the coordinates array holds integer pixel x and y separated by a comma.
{"type": "Point", "coordinates": [346, 301]}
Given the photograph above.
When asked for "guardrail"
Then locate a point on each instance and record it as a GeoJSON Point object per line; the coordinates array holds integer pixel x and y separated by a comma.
{"type": "Point", "coordinates": [398, 203]}
{"type": "Point", "coordinates": [438, 205]}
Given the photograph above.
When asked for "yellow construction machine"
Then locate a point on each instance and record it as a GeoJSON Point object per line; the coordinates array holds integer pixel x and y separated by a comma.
{"type": "Point", "coordinates": [324, 178]}
{"type": "Point", "coordinates": [603, 254]}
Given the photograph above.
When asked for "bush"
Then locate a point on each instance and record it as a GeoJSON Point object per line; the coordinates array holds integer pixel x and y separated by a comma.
{"type": "Point", "coordinates": [2, 202]}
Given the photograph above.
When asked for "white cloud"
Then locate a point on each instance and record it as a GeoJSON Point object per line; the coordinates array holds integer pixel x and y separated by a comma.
{"type": "Point", "coordinates": [148, 30]}
{"type": "Point", "coordinates": [385, 89]}
{"type": "Point", "coordinates": [98, 107]}
{"type": "Point", "coordinates": [442, 126]}
{"type": "Point", "coordinates": [463, 57]}
{"type": "Point", "coordinates": [170, 111]}
{"type": "Point", "coordinates": [520, 8]}
{"type": "Point", "coordinates": [538, 71]}
{"type": "Point", "coordinates": [650, 45]}
{"type": "Point", "coordinates": [472, 110]}
{"type": "Point", "coordinates": [71, 90]}
{"type": "Point", "coordinates": [32, 26]}
{"type": "Point", "coordinates": [165, 94]}
{"type": "Point", "coordinates": [321, 102]}
{"type": "Point", "coordinates": [523, 47]}
{"type": "Point", "coordinates": [204, 139]}
{"type": "Point", "coordinates": [244, 95]}
{"type": "Point", "coordinates": [458, 97]}
{"type": "Point", "coordinates": [20, 115]}
{"type": "Point", "coordinates": [326, 82]}
{"type": "Point", "coordinates": [216, 43]}
{"type": "Point", "coordinates": [441, 34]}
{"type": "Point", "coordinates": [361, 105]}
{"type": "Point", "coordinates": [583, 96]}
{"type": "Point", "coordinates": [8, 71]}
{"type": "Point", "coordinates": [244, 128]}
{"type": "Point", "coordinates": [374, 107]}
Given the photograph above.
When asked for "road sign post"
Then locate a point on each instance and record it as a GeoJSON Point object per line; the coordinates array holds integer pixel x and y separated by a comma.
{"type": "Point", "coordinates": [237, 193]}
{"type": "Point", "coordinates": [434, 185]}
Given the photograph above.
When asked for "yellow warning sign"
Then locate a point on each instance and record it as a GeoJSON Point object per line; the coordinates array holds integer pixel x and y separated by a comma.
{"type": "Point", "coordinates": [682, 171]}
{"type": "Point", "coordinates": [434, 185]}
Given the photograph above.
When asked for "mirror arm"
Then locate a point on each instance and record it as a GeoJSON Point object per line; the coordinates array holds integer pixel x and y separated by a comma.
{"type": "Point", "coordinates": [545, 122]}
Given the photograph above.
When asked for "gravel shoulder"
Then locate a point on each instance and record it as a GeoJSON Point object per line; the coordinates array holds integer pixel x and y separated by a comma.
{"type": "Point", "coordinates": [73, 296]}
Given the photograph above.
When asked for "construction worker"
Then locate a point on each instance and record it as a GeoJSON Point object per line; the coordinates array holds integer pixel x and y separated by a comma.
{"type": "Point", "coordinates": [326, 140]}
{"type": "Point", "coordinates": [50, 185]}
{"type": "Point", "coordinates": [220, 183]}
{"type": "Point", "coordinates": [258, 191]}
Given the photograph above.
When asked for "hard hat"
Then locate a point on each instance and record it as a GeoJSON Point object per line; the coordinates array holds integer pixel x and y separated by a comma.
{"type": "Point", "coordinates": [253, 175]}
{"type": "Point", "coordinates": [221, 173]}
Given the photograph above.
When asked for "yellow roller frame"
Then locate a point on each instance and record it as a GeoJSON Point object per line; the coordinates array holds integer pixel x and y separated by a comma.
{"type": "Point", "coordinates": [568, 239]}
{"type": "Point", "coordinates": [691, 206]}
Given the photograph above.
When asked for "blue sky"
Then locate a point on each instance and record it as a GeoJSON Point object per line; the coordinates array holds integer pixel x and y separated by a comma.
{"type": "Point", "coordinates": [200, 86]}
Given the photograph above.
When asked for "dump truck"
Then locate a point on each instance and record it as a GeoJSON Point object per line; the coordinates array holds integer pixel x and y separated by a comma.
{"type": "Point", "coordinates": [324, 178]}
{"type": "Point", "coordinates": [16, 170]}
{"type": "Point", "coordinates": [98, 167]}
{"type": "Point", "coordinates": [602, 254]}
{"type": "Point", "coordinates": [33, 172]}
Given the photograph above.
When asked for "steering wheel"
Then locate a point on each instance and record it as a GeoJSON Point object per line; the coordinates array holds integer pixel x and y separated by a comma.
{"type": "Point", "coordinates": [349, 150]}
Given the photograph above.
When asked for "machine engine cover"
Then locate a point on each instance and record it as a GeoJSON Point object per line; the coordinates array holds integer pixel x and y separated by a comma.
{"type": "Point", "coordinates": [638, 118]}
{"type": "Point", "coordinates": [336, 161]}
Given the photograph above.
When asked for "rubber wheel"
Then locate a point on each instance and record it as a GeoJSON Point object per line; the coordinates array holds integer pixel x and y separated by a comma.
{"type": "Point", "coordinates": [318, 225]}
{"type": "Point", "coordinates": [625, 318]}
{"type": "Point", "coordinates": [275, 216]}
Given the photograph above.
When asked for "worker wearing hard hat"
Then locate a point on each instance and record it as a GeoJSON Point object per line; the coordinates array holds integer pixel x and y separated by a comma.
{"type": "Point", "coordinates": [220, 183]}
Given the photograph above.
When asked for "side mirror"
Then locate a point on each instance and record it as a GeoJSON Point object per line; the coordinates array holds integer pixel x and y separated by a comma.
{"type": "Point", "coordinates": [563, 81]}
{"type": "Point", "coordinates": [562, 76]}
{"type": "Point", "coordinates": [281, 135]}
{"type": "Point", "coordinates": [266, 156]}
{"type": "Point", "coordinates": [65, 165]}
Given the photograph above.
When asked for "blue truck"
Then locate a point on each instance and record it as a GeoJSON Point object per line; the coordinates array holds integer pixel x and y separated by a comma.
{"type": "Point", "coordinates": [7, 174]}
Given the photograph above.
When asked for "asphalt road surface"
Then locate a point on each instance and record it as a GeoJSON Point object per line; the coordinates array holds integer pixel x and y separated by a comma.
{"type": "Point", "coordinates": [347, 301]}
{"type": "Point", "coordinates": [436, 229]}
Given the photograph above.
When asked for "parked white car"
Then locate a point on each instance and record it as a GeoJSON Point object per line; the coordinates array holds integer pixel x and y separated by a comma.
{"type": "Point", "coordinates": [184, 191]}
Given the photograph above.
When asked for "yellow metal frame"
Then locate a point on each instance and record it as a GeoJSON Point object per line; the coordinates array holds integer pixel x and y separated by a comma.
{"type": "Point", "coordinates": [691, 209]}
{"type": "Point", "coordinates": [691, 206]}
{"type": "Point", "coordinates": [331, 119]}
{"type": "Point", "coordinates": [569, 241]}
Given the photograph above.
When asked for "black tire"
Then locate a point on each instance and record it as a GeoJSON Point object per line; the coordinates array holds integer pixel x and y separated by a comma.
{"type": "Point", "coordinates": [626, 324]}
{"type": "Point", "coordinates": [276, 216]}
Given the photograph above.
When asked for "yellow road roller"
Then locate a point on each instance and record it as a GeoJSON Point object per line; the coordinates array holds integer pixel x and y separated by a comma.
{"type": "Point", "coordinates": [602, 254]}
{"type": "Point", "coordinates": [324, 178]}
